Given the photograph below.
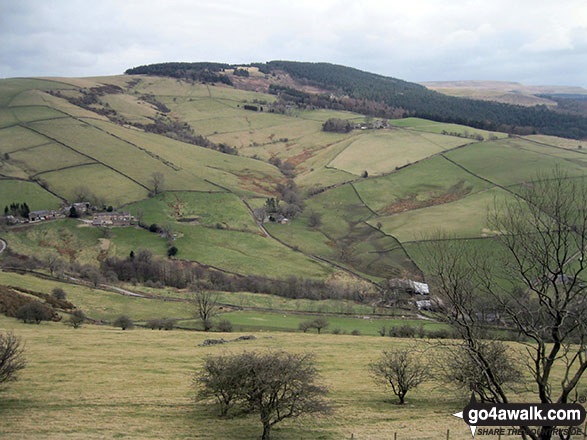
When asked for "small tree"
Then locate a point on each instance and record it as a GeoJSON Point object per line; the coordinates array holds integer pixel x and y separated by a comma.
{"type": "Point", "coordinates": [73, 212]}
{"type": "Point", "coordinates": [11, 357]}
{"type": "Point", "coordinates": [315, 219]}
{"type": "Point", "coordinates": [320, 323]}
{"type": "Point", "coordinates": [459, 366]}
{"type": "Point", "coordinates": [400, 370]}
{"type": "Point", "coordinates": [58, 293]}
{"type": "Point", "coordinates": [34, 312]}
{"type": "Point", "coordinates": [124, 322]}
{"type": "Point", "coordinates": [156, 182]}
{"type": "Point", "coordinates": [205, 306]}
{"type": "Point", "coordinates": [274, 385]}
{"type": "Point", "coordinates": [77, 318]}
{"type": "Point", "coordinates": [305, 325]}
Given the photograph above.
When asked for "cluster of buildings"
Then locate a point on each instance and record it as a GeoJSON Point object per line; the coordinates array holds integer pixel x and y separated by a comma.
{"type": "Point", "coordinates": [415, 288]}
{"type": "Point", "coordinates": [81, 209]}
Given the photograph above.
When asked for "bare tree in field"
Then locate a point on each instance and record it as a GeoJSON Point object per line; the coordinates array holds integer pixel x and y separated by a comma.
{"type": "Point", "coordinates": [157, 180]}
{"type": "Point", "coordinates": [11, 357]}
{"type": "Point", "coordinates": [400, 370]}
{"type": "Point", "coordinates": [535, 280]}
{"type": "Point", "coordinates": [205, 306]}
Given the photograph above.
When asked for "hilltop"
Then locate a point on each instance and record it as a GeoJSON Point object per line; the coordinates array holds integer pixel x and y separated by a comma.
{"type": "Point", "coordinates": [380, 95]}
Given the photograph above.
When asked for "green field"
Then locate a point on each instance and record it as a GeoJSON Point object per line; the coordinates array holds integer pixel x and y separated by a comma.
{"type": "Point", "coordinates": [18, 191]}
{"type": "Point", "coordinates": [384, 151]}
{"type": "Point", "coordinates": [435, 175]}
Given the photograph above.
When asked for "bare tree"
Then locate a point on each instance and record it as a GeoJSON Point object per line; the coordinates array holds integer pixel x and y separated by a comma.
{"type": "Point", "coordinates": [77, 318]}
{"type": "Point", "coordinates": [457, 365]}
{"type": "Point", "coordinates": [11, 357]}
{"type": "Point", "coordinates": [276, 385]}
{"type": "Point", "coordinates": [205, 306]}
{"type": "Point", "coordinates": [157, 180]}
{"type": "Point", "coordinates": [537, 287]}
{"type": "Point", "coordinates": [401, 370]}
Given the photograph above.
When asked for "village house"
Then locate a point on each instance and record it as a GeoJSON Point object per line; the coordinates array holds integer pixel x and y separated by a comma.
{"type": "Point", "coordinates": [81, 208]}
{"type": "Point", "coordinates": [111, 219]}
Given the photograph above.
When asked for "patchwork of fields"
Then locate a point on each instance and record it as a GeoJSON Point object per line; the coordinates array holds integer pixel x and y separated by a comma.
{"type": "Point", "coordinates": [374, 190]}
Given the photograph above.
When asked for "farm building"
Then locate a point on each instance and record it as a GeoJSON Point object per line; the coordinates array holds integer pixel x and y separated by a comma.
{"type": "Point", "coordinates": [81, 208]}
{"type": "Point", "coordinates": [409, 286]}
{"type": "Point", "coordinates": [45, 214]}
{"type": "Point", "coordinates": [111, 219]}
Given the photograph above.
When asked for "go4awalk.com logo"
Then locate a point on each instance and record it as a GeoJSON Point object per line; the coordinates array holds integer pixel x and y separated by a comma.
{"type": "Point", "coordinates": [521, 415]}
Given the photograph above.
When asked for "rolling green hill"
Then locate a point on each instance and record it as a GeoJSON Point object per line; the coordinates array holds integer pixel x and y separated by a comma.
{"type": "Point", "coordinates": [375, 190]}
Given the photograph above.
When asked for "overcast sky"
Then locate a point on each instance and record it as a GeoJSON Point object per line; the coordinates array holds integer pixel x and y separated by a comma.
{"type": "Point", "coordinates": [534, 42]}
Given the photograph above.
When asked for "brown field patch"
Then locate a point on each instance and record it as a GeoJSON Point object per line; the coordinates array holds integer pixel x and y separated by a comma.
{"type": "Point", "coordinates": [410, 203]}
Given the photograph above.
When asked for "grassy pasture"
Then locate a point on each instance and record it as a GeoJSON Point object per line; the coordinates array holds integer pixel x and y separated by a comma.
{"type": "Point", "coordinates": [102, 181]}
{"type": "Point", "coordinates": [57, 237]}
{"type": "Point", "coordinates": [570, 144]}
{"type": "Point", "coordinates": [240, 174]}
{"type": "Point", "coordinates": [31, 193]}
{"type": "Point", "coordinates": [205, 209]}
{"type": "Point", "coordinates": [245, 253]}
{"type": "Point", "coordinates": [416, 185]}
{"type": "Point", "coordinates": [383, 151]}
{"type": "Point", "coordinates": [466, 217]}
{"type": "Point", "coordinates": [504, 164]}
{"type": "Point", "coordinates": [15, 138]}
{"type": "Point", "coordinates": [35, 113]}
{"type": "Point", "coordinates": [438, 127]}
{"type": "Point", "coordinates": [11, 88]}
{"type": "Point", "coordinates": [98, 382]}
{"type": "Point", "coordinates": [47, 157]}
{"type": "Point", "coordinates": [113, 152]}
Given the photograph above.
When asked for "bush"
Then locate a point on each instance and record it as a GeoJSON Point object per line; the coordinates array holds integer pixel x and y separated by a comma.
{"type": "Point", "coordinates": [274, 385]}
{"type": "Point", "coordinates": [58, 293]}
{"type": "Point", "coordinates": [356, 332]}
{"type": "Point", "coordinates": [172, 251]}
{"type": "Point", "coordinates": [77, 318]}
{"type": "Point", "coordinates": [124, 322]}
{"type": "Point", "coordinates": [224, 326]}
{"type": "Point", "coordinates": [401, 370]}
{"type": "Point", "coordinates": [154, 324]}
{"type": "Point", "coordinates": [11, 357]}
{"type": "Point", "coordinates": [402, 331]}
{"type": "Point", "coordinates": [305, 325]}
{"type": "Point", "coordinates": [336, 331]}
{"type": "Point", "coordinates": [34, 312]}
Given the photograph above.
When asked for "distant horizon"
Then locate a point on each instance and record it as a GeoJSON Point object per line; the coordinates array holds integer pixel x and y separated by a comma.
{"type": "Point", "coordinates": [584, 87]}
{"type": "Point", "coordinates": [531, 42]}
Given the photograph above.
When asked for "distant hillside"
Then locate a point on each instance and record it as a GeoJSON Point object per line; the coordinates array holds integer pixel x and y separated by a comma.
{"type": "Point", "coordinates": [397, 96]}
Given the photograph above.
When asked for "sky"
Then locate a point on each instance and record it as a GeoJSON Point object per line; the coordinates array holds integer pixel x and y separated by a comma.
{"type": "Point", "coordinates": [534, 42]}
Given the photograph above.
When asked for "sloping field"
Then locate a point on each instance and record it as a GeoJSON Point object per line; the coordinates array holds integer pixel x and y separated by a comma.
{"type": "Point", "coordinates": [245, 253]}
{"type": "Point", "coordinates": [383, 151]}
{"type": "Point", "coordinates": [430, 182]}
{"type": "Point", "coordinates": [240, 174]}
{"type": "Point", "coordinates": [504, 164]}
{"type": "Point", "coordinates": [440, 127]}
{"type": "Point", "coordinates": [463, 218]}
{"type": "Point", "coordinates": [19, 191]}
{"type": "Point", "coordinates": [50, 156]}
{"type": "Point", "coordinates": [224, 209]}
{"type": "Point", "coordinates": [102, 181]}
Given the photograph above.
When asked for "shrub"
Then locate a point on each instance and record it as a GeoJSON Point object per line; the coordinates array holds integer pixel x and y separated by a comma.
{"type": "Point", "coordinates": [224, 326]}
{"type": "Point", "coordinates": [11, 357]}
{"type": "Point", "coordinates": [355, 332]}
{"type": "Point", "coordinates": [34, 312]}
{"type": "Point", "coordinates": [124, 322]}
{"type": "Point", "coordinates": [274, 385]}
{"type": "Point", "coordinates": [77, 318]}
{"type": "Point", "coordinates": [336, 331]}
{"type": "Point", "coordinates": [58, 293]}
